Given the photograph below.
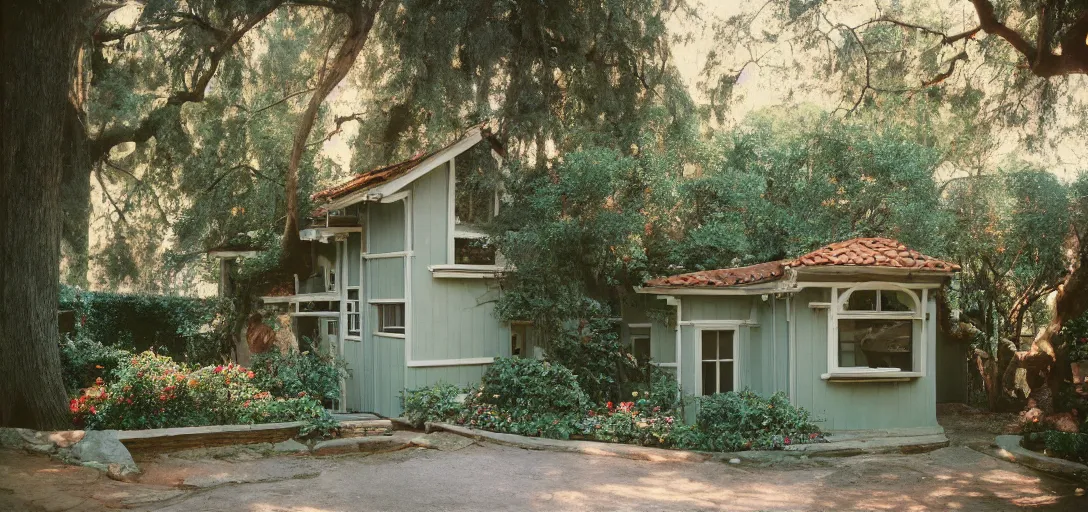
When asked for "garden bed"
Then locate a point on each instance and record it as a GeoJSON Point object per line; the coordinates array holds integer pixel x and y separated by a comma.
{"type": "Point", "coordinates": [1011, 448]}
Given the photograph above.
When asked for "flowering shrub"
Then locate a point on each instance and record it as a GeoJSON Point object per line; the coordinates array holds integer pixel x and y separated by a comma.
{"type": "Point", "coordinates": [153, 391]}
{"type": "Point", "coordinates": [537, 398]}
{"type": "Point", "coordinates": [433, 403]}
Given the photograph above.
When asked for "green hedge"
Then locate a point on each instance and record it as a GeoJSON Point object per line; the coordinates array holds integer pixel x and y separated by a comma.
{"type": "Point", "coordinates": [177, 326]}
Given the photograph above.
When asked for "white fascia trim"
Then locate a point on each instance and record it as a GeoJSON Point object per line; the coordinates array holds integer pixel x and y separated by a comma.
{"type": "Point", "coordinates": [470, 139]}
{"type": "Point", "coordinates": [394, 197]}
{"type": "Point", "coordinates": [639, 326]}
{"type": "Point", "coordinates": [451, 362]}
{"type": "Point", "coordinates": [719, 323]}
{"type": "Point", "coordinates": [324, 234]}
{"type": "Point", "coordinates": [854, 284]}
{"type": "Point", "coordinates": [714, 291]}
{"type": "Point", "coordinates": [665, 365]}
{"type": "Point", "coordinates": [385, 301]}
{"type": "Point", "coordinates": [377, 193]}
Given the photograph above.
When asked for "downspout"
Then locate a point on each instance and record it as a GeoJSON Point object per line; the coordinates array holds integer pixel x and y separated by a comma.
{"type": "Point", "coordinates": [675, 301]}
{"type": "Point", "coordinates": [774, 340]}
{"type": "Point", "coordinates": [791, 338]}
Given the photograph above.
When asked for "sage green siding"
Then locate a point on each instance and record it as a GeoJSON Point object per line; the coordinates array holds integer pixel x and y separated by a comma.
{"type": "Point", "coordinates": [385, 278]}
{"type": "Point", "coordinates": [857, 405]}
{"type": "Point", "coordinates": [762, 355]}
{"type": "Point", "coordinates": [451, 318]}
{"type": "Point", "coordinates": [385, 222]}
{"type": "Point", "coordinates": [383, 375]}
{"type": "Point", "coordinates": [353, 383]}
{"type": "Point", "coordinates": [354, 256]}
{"type": "Point", "coordinates": [447, 319]}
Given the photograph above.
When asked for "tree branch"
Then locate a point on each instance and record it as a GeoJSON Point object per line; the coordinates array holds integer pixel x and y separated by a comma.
{"type": "Point", "coordinates": [285, 98]}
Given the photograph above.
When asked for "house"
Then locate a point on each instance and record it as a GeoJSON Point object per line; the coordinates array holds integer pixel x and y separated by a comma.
{"type": "Point", "coordinates": [847, 331]}
{"type": "Point", "coordinates": [406, 285]}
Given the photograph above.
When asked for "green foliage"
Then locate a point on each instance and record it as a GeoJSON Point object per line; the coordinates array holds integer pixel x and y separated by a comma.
{"type": "Point", "coordinates": [298, 374]}
{"type": "Point", "coordinates": [1067, 445]}
{"type": "Point", "coordinates": [432, 403]}
{"type": "Point", "coordinates": [84, 361]}
{"type": "Point", "coordinates": [153, 391]}
{"type": "Point", "coordinates": [745, 420]}
{"type": "Point", "coordinates": [181, 327]}
{"type": "Point", "coordinates": [525, 385]}
{"type": "Point", "coordinates": [535, 398]}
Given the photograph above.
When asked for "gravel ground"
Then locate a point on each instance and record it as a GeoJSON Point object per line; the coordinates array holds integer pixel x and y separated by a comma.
{"type": "Point", "coordinates": [463, 476]}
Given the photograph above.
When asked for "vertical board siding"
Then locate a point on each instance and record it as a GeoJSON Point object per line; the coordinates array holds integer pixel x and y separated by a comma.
{"type": "Point", "coordinates": [386, 227]}
{"type": "Point", "coordinates": [857, 405]}
{"type": "Point", "coordinates": [353, 258]}
{"type": "Point", "coordinates": [383, 383]}
{"type": "Point", "coordinates": [385, 278]}
{"type": "Point", "coordinates": [353, 383]}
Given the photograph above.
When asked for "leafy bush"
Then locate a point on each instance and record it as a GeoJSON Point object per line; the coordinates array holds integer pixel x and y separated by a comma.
{"type": "Point", "coordinates": [735, 421]}
{"type": "Point", "coordinates": [309, 373]}
{"type": "Point", "coordinates": [595, 354]}
{"type": "Point", "coordinates": [516, 384]}
{"type": "Point", "coordinates": [433, 403]}
{"type": "Point", "coordinates": [526, 396]}
{"type": "Point", "coordinates": [84, 360]}
{"type": "Point", "coordinates": [153, 391]}
{"type": "Point", "coordinates": [637, 422]}
{"type": "Point", "coordinates": [1071, 446]}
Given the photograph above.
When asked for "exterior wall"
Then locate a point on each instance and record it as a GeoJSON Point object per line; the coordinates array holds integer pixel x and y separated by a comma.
{"type": "Point", "coordinates": [447, 320]}
{"type": "Point", "coordinates": [451, 319]}
{"type": "Point", "coordinates": [856, 405]}
{"type": "Point", "coordinates": [762, 359]}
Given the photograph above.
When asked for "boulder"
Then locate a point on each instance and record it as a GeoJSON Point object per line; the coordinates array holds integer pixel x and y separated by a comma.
{"type": "Point", "coordinates": [100, 448]}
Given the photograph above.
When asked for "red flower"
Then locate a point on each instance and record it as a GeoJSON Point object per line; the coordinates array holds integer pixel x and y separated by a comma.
{"type": "Point", "coordinates": [249, 375]}
{"type": "Point", "coordinates": [786, 440]}
{"type": "Point", "coordinates": [73, 405]}
{"type": "Point", "coordinates": [301, 394]}
{"type": "Point", "coordinates": [92, 410]}
{"type": "Point", "coordinates": [609, 405]}
{"type": "Point", "coordinates": [218, 369]}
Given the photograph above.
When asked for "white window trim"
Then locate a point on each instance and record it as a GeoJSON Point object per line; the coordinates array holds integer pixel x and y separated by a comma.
{"type": "Point", "coordinates": [699, 328]}
{"type": "Point", "coordinates": [452, 230]}
{"type": "Point", "coordinates": [836, 312]}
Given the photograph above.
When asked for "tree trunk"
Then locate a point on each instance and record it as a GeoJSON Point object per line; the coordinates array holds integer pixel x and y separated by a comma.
{"type": "Point", "coordinates": [361, 21]}
{"type": "Point", "coordinates": [40, 39]}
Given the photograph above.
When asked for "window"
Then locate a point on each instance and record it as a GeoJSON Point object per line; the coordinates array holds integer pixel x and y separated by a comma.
{"type": "Point", "coordinates": [354, 314]}
{"type": "Point", "coordinates": [390, 318]}
{"type": "Point", "coordinates": [474, 196]}
{"type": "Point", "coordinates": [876, 330]}
{"type": "Point", "coordinates": [717, 362]}
{"type": "Point", "coordinates": [473, 251]}
{"type": "Point", "coordinates": [640, 343]}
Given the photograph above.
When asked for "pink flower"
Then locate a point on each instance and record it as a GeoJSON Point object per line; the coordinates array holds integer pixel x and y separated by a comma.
{"type": "Point", "coordinates": [786, 440]}
{"type": "Point", "coordinates": [218, 369]}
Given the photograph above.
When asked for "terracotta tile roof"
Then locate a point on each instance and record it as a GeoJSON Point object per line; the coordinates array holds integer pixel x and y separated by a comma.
{"type": "Point", "coordinates": [751, 274]}
{"type": "Point", "coordinates": [861, 252]}
{"type": "Point", "coordinates": [372, 178]}
{"type": "Point", "coordinates": [381, 175]}
{"type": "Point", "coordinates": [872, 252]}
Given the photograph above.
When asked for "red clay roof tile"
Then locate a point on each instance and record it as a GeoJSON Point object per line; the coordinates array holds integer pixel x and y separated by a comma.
{"type": "Point", "coordinates": [861, 252]}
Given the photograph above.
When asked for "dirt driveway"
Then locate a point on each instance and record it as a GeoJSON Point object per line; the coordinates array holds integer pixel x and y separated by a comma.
{"type": "Point", "coordinates": [488, 477]}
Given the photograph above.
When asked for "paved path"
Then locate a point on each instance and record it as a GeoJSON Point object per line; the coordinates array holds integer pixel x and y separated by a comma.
{"type": "Point", "coordinates": [489, 477]}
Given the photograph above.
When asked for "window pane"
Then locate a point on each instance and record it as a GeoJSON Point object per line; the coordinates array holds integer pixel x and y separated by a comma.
{"type": "Point", "coordinates": [640, 347]}
{"type": "Point", "coordinates": [876, 343]}
{"type": "Point", "coordinates": [861, 300]}
{"type": "Point", "coordinates": [896, 300]}
{"type": "Point", "coordinates": [391, 318]}
{"type": "Point", "coordinates": [473, 251]}
{"type": "Point", "coordinates": [725, 381]}
{"type": "Point", "coordinates": [710, 345]}
{"type": "Point", "coordinates": [725, 344]}
{"type": "Point", "coordinates": [710, 377]}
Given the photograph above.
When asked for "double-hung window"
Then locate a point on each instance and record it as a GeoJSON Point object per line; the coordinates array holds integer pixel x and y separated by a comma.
{"type": "Point", "coordinates": [474, 195]}
{"type": "Point", "coordinates": [718, 361]}
{"type": "Point", "coordinates": [390, 318]}
{"type": "Point", "coordinates": [876, 330]}
{"type": "Point", "coordinates": [640, 342]}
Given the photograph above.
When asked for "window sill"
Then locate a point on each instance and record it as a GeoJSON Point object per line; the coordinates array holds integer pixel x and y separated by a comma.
{"type": "Point", "coordinates": [389, 335]}
{"type": "Point", "coordinates": [846, 375]}
{"type": "Point", "coordinates": [458, 271]}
